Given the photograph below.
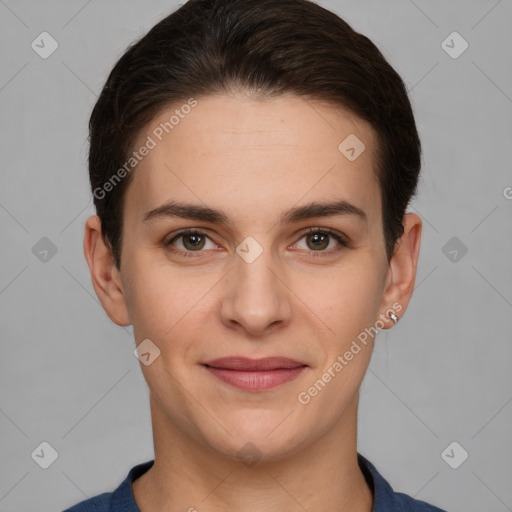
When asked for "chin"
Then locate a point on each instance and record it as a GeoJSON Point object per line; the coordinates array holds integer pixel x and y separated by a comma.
{"type": "Point", "coordinates": [260, 437]}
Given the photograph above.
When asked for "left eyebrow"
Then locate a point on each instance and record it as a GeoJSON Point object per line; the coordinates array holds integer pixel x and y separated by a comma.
{"type": "Point", "coordinates": [199, 212]}
{"type": "Point", "coordinates": [312, 210]}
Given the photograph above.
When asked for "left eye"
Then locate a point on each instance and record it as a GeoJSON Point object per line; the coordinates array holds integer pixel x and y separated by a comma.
{"type": "Point", "coordinates": [319, 240]}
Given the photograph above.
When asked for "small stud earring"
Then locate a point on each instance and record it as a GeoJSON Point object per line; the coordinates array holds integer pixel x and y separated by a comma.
{"type": "Point", "coordinates": [393, 317]}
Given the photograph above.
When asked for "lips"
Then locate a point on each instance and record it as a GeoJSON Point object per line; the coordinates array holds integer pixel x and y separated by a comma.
{"type": "Point", "coordinates": [246, 364]}
{"type": "Point", "coordinates": [255, 374]}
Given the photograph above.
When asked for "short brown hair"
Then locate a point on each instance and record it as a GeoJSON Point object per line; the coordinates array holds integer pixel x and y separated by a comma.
{"type": "Point", "coordinates": [270, 47]}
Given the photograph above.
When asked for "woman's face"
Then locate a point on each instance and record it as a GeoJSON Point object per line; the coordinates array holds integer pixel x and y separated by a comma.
{"type": "Point", "coordinates": [257, 284]}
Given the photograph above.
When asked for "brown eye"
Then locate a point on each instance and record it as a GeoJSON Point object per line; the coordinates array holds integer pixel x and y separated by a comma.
{"type": "Point", "coordinates": [191, 241]}
{"type": "Point", "coordinates": [318, 240]}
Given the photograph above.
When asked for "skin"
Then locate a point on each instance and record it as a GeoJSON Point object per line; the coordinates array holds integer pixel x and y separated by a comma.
{"type": "Point", "coordinates": [254, 159]}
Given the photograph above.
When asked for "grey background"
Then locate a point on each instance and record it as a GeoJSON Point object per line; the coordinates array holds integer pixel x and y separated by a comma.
{"type": "Point", "coordinates": [68, 375]}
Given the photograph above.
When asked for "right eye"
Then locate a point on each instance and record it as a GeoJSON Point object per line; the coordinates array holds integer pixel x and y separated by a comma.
{"type": "Point", "coordinates": [192, 241]}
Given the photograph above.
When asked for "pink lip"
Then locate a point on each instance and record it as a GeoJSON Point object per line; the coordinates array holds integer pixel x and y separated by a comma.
{"type": "Point", "coordinates": [245, 363]}
{"type": "Point", "coordinates": [255, 374]}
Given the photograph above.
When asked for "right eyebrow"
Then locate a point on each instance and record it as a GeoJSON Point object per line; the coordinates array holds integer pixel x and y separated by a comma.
{"type": "Point", "coordinates": [187, 211]}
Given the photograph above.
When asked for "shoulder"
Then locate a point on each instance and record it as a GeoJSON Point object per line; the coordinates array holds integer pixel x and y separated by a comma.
{"type": "Point", "coordinates": [385, 498]}
{"type": "Point", "coordinates": [408, 504]}
{"type": "Point", "coordinates": [100, 503]}
{"type": "Point", "coordinates": [120, 500]}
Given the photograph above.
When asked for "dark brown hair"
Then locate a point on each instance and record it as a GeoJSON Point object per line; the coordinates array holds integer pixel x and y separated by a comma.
{"type": "Point", "coordinates": [268, 47]}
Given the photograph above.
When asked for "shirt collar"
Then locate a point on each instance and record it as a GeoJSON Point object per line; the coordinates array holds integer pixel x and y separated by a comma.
{"type": "Point", "coordinates": [384, 498]}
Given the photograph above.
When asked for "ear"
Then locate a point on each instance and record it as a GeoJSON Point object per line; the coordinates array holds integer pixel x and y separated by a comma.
{"type": "Point", "coordinates": [402, 270]}
{"type": "Point", "coordinates": [105, 276]}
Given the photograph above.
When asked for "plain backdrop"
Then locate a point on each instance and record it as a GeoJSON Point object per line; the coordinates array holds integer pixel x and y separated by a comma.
{"type": "Point", "coordinates": [68, 376]}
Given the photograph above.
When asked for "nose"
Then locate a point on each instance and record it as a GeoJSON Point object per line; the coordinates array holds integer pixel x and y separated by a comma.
{"type": "Point", "coordinates": [255, 297]}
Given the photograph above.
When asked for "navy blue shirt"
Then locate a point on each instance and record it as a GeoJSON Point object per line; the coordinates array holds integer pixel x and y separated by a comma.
{"type": "Point", "coordinates": [384, 498]}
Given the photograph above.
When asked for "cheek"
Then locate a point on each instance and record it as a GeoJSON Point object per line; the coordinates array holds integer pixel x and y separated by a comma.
{"type": "Point", "coordinates": [348, 304]}
{"type": "Point", "coordinates": [346, 299]}
{"type": "Point", "coordinates": [166, 304]}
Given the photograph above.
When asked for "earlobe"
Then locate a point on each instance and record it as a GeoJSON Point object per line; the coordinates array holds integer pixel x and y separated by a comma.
{"type": "Point", "coordinates": [402, 270]}
{"type": "Point", "coordinates": [105, 277]}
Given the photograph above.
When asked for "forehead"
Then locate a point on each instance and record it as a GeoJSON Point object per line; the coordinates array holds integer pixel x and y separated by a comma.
{"type": "Point", "coordinates": [255, 157]}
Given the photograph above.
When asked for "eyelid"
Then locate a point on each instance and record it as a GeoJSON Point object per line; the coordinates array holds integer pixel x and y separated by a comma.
{"type": "Point", "coordinates": [337, 234]}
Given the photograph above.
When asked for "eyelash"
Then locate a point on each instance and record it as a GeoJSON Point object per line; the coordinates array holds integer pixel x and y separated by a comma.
{"type": "Point", "coordinates": [314, 254]}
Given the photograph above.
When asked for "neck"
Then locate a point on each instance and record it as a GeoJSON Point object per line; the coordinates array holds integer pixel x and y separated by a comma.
{"type": "Point", "coordinates": [189, 475]}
